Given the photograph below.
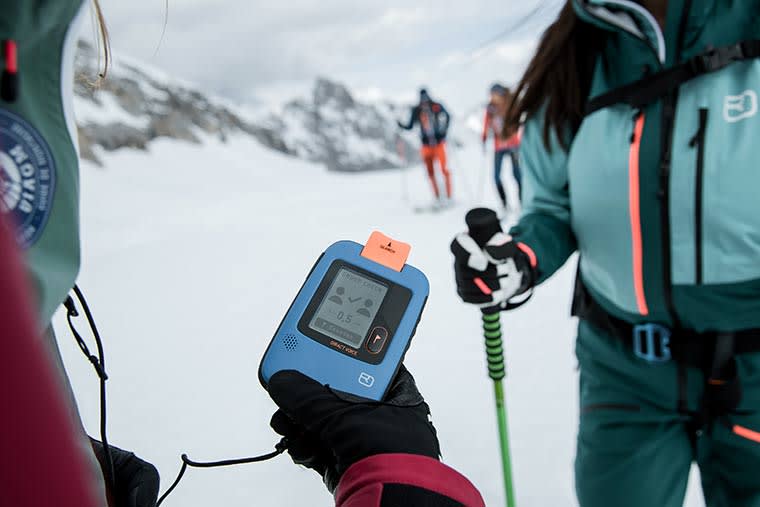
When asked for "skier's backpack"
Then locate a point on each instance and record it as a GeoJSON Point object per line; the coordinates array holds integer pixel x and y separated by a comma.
{"type": "Point", "coordinates": [440, 122]}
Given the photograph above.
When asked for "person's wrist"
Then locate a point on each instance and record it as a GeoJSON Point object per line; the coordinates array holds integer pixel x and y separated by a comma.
{"type": "Point", "coordinates": [526, 265]}
{"type": "Point", "coordinates": [402, 430]}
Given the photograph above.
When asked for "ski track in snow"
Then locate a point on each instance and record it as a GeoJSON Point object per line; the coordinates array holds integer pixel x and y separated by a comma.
{"type": "Point", "coordinates": [192, 255]}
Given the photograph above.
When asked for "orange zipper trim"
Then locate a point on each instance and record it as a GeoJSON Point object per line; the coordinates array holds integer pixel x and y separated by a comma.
{"type": "Point", "coordinates": [747, 433]}
{"type": "Point", "coordinates": [635, 212]}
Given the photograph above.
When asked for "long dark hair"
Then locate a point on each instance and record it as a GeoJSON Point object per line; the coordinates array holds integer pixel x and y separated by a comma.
{"type": "Point", "coordinates": [559, 75]}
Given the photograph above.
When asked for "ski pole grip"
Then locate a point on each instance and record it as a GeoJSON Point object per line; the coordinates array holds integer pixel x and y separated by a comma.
{"type": "Point", "coordinates": [482, 223]}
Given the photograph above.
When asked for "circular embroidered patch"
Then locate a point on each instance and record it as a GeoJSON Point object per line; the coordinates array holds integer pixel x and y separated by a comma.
{"type": "Point", "coordinates": [27, 177]}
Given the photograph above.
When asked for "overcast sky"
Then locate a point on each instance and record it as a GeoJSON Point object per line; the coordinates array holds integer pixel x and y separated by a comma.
{"type": "Point", "coordinates": [268, 50]}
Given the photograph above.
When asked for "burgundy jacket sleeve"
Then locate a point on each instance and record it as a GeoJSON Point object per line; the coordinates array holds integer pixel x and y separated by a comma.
{"type": "Point", "coordinates": [389, 480]}
{"type": "Point", "coordinates": [41, 463]}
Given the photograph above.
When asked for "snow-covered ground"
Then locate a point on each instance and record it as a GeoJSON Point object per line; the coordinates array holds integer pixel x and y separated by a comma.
{"type": "Point", "coordinates": [191, 255]}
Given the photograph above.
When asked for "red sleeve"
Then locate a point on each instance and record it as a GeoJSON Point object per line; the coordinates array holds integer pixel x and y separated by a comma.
{"type": "Point", "coordinates": [363, 484]}
{"type": "Point", "coordinates": [486, 125]}
{"type": "Point", "coordinates": [41, 463]}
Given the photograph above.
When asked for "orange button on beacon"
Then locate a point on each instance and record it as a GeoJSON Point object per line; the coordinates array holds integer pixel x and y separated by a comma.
{"type": "Point", "coordinates": [386, 251]}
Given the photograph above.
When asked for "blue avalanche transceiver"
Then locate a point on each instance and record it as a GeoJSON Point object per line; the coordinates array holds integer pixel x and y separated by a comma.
{"type": "Point", "coordinates": [353, 320]}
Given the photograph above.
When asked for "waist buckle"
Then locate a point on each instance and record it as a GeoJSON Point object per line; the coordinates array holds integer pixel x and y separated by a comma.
{"type": "Point", "coordinates": [651, 342]}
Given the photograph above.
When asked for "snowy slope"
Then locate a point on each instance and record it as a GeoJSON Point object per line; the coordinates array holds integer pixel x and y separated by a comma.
{"type": "Point", "coordinates": [193, 253]}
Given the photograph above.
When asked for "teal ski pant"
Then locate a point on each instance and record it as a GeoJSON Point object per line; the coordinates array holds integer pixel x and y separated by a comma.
{"type": "Point", "coordinates": [634, 448]}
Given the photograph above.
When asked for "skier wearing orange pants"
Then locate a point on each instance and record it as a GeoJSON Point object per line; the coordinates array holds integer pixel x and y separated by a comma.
{"type": "Point", "coordinates": [431, 153]}
{"type": "Point", "coordinates": [433, 119]}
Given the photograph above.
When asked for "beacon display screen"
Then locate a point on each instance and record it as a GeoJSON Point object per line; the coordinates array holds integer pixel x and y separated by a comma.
{"type": "Point", "coordinates": [349, 307]}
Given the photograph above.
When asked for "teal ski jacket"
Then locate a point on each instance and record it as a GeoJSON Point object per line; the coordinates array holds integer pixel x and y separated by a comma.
{"type": "Point", "coordinates": [39, 169]}
{"type": "Point", "coordinates": [677, 243]}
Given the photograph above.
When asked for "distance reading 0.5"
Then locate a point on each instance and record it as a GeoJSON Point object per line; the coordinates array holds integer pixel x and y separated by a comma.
{"type": "Point", "coordinates": [349, 307]}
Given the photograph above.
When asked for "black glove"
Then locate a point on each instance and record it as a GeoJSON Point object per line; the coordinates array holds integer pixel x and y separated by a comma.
{"type": "Point", "coordinates": [329, 431]}
{"type": "Point", "coordinates": [489, 277]}
{"type": "Point", "coordinates": [137, 481]}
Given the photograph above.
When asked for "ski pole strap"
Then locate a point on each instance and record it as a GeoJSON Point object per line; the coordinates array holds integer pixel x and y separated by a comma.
{"type": "Point", "coordinates": [650, 88]}
{"type": "Point", "coordinates": [494, 345]}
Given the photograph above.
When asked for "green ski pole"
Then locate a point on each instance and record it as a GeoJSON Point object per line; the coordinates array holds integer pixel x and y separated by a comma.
{"type": "Point", "coordinates": [497, 372]}
{"type": "Point", "coordinates": [483, 223]}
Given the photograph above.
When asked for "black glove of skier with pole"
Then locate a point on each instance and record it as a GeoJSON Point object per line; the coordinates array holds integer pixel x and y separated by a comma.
{"type": "Point", "coordinates": [491, 275]}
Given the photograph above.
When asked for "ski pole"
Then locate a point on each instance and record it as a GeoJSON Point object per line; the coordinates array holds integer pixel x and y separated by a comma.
{"type": "Point", "coordinates": [401, 151]}
{"type": "Point", "coordinates": [482, 176]}
{"type": "Point", "coordinates": [483, 223]}
{"type": "Point", "coordinates": [466, 183]}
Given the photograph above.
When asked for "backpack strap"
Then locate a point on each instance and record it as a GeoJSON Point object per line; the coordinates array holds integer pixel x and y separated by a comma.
{"type": "Point", "coordinates": [650, 88]}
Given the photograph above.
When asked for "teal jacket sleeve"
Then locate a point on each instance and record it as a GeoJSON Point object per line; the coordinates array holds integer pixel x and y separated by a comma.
{"type": "Point", "coordinates": [545, 222]}
{"type": "Point", "coordinates": [29, 21]}
{"type": "Point", "coordinates": [39, 156]}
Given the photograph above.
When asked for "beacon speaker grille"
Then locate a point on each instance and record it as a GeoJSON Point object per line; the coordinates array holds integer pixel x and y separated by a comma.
{"type": "Point", "coordinates": [290, 341]}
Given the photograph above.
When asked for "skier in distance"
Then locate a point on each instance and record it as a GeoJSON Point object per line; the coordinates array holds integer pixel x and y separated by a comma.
{"type": "Point", "coordinates": [503, 145]}
{"type": "Point", "coordinates": [433, 120]}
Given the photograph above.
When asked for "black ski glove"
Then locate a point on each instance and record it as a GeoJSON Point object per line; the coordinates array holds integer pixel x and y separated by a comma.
{"type": "Point", "coordinates": [137, 481]}
{"type": "Point", "coordinates": [489, 277]}
{"type": "Point", "coordinates": [329, 431]}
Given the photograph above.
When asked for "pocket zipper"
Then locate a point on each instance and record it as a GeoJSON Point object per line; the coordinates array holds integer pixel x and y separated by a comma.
{"type": "Point", "coordinates": [698, 141]}
{"type": "Point", "coordinates": [625, 407]}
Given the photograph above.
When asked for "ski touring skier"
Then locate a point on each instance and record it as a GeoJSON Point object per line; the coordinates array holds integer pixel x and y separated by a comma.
{"type": "Point", "coordinates": [434, 121]}
{"type": "Point", "coordinates": [506, 142]}
{"type": "Point", "coordinates": [639, 152]}
{"type": "Point", "coordinates": [369, 454]}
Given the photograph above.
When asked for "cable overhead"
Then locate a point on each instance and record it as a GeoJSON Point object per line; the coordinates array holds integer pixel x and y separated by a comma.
{"type": "Point", "coordinates": [510, 29]}
{"type": "Point", "coordinates": [543, 7]}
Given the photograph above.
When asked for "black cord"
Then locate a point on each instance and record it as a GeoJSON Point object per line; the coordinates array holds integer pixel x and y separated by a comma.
{"type": "Point", "coordinates": [99, 363]}
{"type": "Point", "coordinates": [279, 449]}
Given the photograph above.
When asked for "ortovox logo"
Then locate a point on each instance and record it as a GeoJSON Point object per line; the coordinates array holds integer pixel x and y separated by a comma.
{"type": "Point", "coordinates": [366, 379]}
{"type": "Point", "coordinates": [27, 177]}
{"type": "Point", "coordinates": [740, 107]}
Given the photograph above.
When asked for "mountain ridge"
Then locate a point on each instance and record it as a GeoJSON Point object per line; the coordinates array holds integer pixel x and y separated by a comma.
{"type": "Point", "coordinates": [135, 106]}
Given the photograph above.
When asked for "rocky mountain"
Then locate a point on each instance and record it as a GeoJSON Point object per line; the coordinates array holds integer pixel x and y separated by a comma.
{"type": "Point", "coordinates": [334, 128]}
{"type": "Point", "coordinates": [135, 106]}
